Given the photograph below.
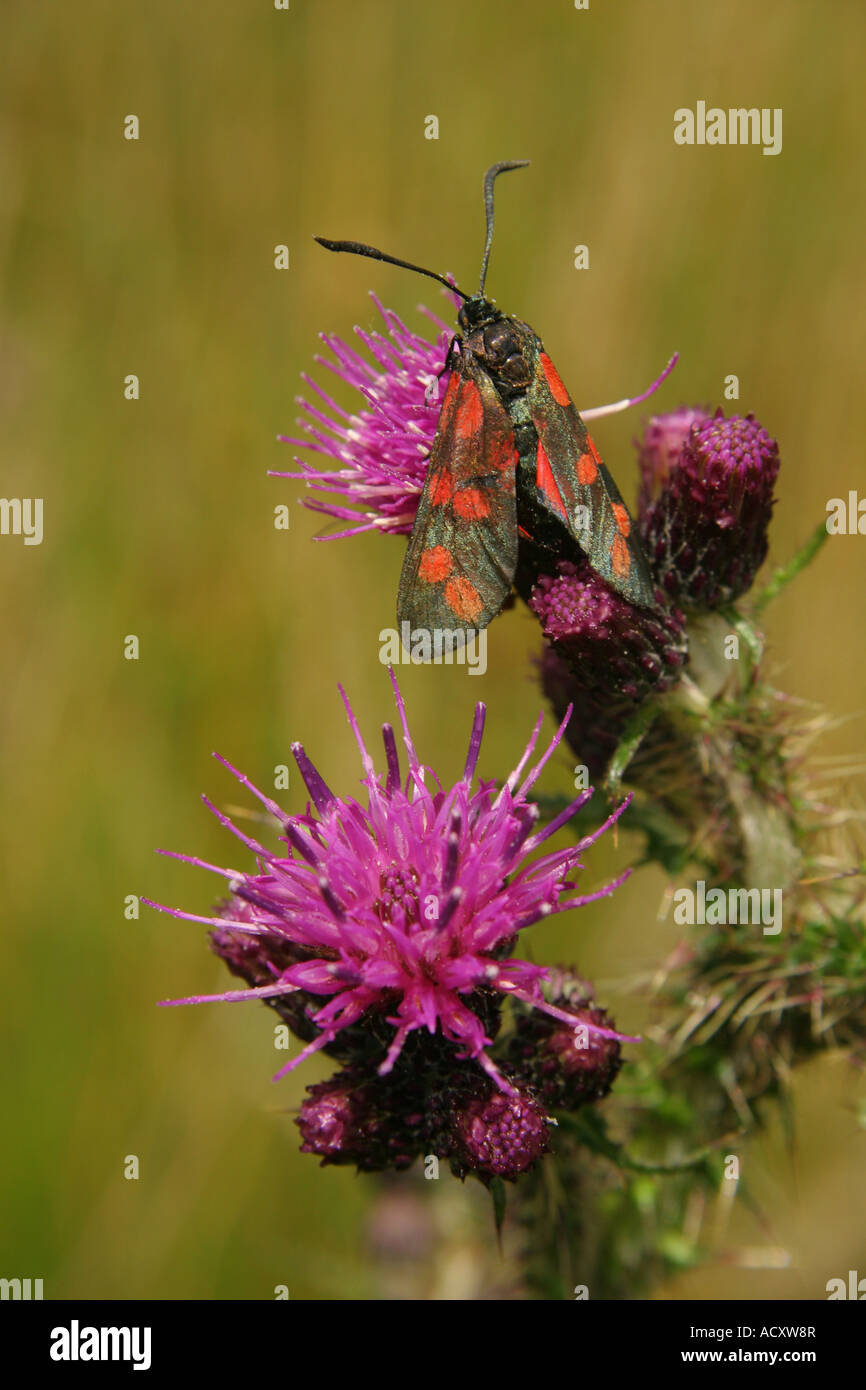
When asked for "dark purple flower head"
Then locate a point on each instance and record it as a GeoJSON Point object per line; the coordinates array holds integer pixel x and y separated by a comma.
{"type": "Point", "coordinates": [661, 447]}
{"type": "Point", "coordinates": [615, 650]}
{"type": "Point", "coordinates": [443, 1108]}
{"type": "Point", "coordinates": [705, 533]}
{"type": "Point", "coordinates": [382, 452]}
{"type": "Point", "coordinates": [347, 1120]}
{"type": "Point", "coordinates": [566, 1066]}
{"type": "Point", "coordinates": [597, 723]}
{"type": "Point", "coordinates": [329, 1121]}
{"type": "Point", "coordinates": [502, 1135]}
{"type": "Point", "coordinates": [400, 916]}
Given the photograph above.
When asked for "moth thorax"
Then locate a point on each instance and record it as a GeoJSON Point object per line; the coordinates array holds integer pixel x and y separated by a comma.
{"type": "Point", "coordinates": [501, 341]}
{"type": "Point", "coordinates": [500, 348]}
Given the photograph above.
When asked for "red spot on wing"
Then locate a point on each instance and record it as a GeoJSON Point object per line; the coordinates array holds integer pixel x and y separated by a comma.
{"type": "Point", "coordinates": [502, 453]}
{"type": "Point", "coordinates": [621, 517]}
{"type": "Point", "coordinates": [546, 482]}
{"type": "Point", "coordinates": [587, 470]}
{"type": "Point", "coordinates": [554, 381]}
{"type": "Point", "coordinates": [592, 449]}
{"type": "Point", "coordinates": [620, 558]}
{"type": "Point", "coordinates": [470, 411]}
{"type": "Point", "coordinates": [441, 489]}
{"type": "Point", "coordinates": [471, 504]}
{"type": "Point", "coordinates": [435, 564]}
{"type": "Point", "coordinates": [463, 599]}
{"type": "Point", "coordinates": [451, 392]}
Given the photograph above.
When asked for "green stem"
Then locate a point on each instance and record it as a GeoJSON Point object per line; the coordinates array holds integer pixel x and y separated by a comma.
{"type": "Point", "coordinates": [635, 732]}
{"type": "Point", "coordinates": [783, 576]}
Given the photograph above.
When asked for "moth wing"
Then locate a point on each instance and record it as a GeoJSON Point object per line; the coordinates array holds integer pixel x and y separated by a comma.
{"type": "Point", "coordinates": [575, 486]}
{"type": "Point", "coordinates": [462, 554]}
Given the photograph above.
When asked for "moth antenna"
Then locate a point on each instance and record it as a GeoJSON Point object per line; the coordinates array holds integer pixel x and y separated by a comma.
{"type": "Point", "coordinates": [357, 248]}
{"type": "Point", "coordinates": [489, 177]}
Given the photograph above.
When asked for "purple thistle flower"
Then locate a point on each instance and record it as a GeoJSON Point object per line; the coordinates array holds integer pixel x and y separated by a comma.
{"type": "Point", "coordinates": [401, 916]}
{"type": "Point", "coordinates": [382, 452]}
{"type": "Point", "coordinates": [705, 533]}
{"type": "Point", "coordinates": [615, 650]}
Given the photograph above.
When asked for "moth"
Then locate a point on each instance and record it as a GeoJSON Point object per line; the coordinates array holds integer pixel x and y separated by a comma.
{"type": "Point", "coordinates": [512, 464]}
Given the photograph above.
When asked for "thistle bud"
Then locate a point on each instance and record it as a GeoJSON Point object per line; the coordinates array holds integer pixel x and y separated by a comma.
{"type": "Point", "coordinates": [347, 1120]}
{"type": "Point", "coordinates": [566, 1066]}
{"type": "Point", "coordinates": [705, 534]}
{"type": "Point", "coordinates": [661, 448]}
{"type": "Point", "coordinates": [500, 1135]}
{"type": "Point", "coordinates": [616, 650]}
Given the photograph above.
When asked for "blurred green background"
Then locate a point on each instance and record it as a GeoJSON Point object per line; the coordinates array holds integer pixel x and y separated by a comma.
{"type": "Point", "coordinates": [155, 257]}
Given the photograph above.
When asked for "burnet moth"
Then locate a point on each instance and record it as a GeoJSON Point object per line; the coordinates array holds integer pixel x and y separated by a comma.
{"type": "Point", "coordinates": [512, 463]}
